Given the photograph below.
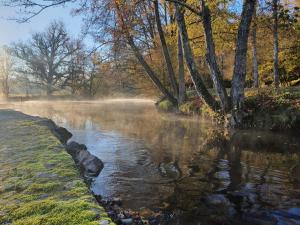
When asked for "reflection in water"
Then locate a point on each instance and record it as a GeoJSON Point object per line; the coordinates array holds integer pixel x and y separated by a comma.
{"type": "Point", "coordinates": [162, 162]}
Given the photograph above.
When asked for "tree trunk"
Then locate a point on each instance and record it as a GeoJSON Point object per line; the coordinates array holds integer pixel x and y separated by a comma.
{"type": "Point", "coordinates": [49, 90]}
{"type": "Point", "coordinates": [5, 86]}
{"type": "Point", "coordinates": [254, 53]}
{"type": "Point", "coordinates": [212, 58]}
{"type": "Point", "coordinates": [239, 71]}
{"type": "Point", "coordinates": [165, 14]}
{"type": "Point", "coordinates": [91, 86]}
{"type": "Point", "coordinates": [164, 46]}
{"type": "Point", "coordinates": [276, 44]}
{"type": "Point", "coordinates": [182, 93]}
{"type": "Point", "coordinates": [188, 54]}
{"type": "Point", "coordinates": [151, 73]}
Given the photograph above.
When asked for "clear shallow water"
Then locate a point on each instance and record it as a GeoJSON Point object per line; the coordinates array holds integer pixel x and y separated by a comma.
{"type": "Point", "coordinates": [156, 162]}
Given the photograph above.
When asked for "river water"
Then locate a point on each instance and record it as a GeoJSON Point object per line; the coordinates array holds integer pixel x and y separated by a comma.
{"type": "Point", "coordinates": [185, 166]}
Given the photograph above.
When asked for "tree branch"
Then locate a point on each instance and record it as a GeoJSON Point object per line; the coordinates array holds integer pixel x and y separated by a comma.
{"type": "Point", "coordinates": [189, 7]}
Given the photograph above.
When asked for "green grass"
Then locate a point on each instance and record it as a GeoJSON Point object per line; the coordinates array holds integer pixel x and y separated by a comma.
{"type": "Point", "coordinates": [39, 183]}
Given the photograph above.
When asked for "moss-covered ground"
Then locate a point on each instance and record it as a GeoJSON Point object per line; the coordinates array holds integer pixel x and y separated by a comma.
{"type": "Point", "coordinates": [276, 109]}
{"type": "Point", "coordinates": [39, 183]}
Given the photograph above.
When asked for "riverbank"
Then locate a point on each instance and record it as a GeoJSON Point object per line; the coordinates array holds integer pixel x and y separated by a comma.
{"type": "Point", "coordinates": [39, 182]}
{"type": "Point", "coordinates": [267, 109]}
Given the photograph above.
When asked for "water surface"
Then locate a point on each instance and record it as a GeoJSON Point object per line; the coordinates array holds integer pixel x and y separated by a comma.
{"type": "Point", "coordinates": [159, 162]}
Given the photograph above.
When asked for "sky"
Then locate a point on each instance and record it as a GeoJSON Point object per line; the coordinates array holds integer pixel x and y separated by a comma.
{"type": "Point", "coordinates": [12, 31]}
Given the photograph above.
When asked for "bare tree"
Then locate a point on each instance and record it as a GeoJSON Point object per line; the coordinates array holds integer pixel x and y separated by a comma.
{"type": "Point", "coordinates": [95, 75]}
{"type": "Point", "coordinates": [46, 56]}
{"type": "Point", "coordinates": [6, 70]}
{"type": "Point", "coordinates": [76, 67]}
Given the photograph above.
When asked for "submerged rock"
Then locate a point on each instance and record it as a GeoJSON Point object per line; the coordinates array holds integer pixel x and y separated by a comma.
{"type": "Point", "coordinates": [90, 164]}
{"type": "Point", "coordinates": [217, 199]}
{"type": "Point", "coordinates": [170, 169]}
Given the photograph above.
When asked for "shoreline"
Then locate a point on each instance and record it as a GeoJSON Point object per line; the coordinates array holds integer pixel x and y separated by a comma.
{"type": "Point", "coordinates": [40, 183]}
{"type": "Point", "coordinates": [272, 110]}
{"type": "Point", "coordinates": [88, 167]}
{"type": "Point", "coordinates": [114, 208]}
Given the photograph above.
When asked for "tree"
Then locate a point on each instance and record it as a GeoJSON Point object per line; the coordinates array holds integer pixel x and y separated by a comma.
{"type": "Point", "coordinates": [46, 56]}
{"type": "Point", "coordinates": [124, 22]}
{"type": "Point", "coordinates": [239, 72]}
{"type": "Point", "coordinates": [212, 30]}
{"type": "Point", "coordinates": [181, 81]}
{"type": "Point", "coordinates": [276, 44]}
{"type": "Point", "coordinates": [76, 68]}
{"type": "Point", "coordinates": [254, 52]}
{"type": "Point", "coordinates": [93, 78]}
{"type": "Point", "coordinates": [190, 61]}
{"type": "Point", "coordinates": [212, 58]}
{"type": "Point", "coordinates": [6, 71]}
{"type": "Point", "coordinates": [166, 53]}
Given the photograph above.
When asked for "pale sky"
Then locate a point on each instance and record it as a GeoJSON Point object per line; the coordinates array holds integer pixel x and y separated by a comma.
{"type": "Point", "coordinates": [12, 31]}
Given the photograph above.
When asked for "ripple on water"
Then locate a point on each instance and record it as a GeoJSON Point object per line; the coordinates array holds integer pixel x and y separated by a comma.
{"type": "Point", "coordinates": [248, 175]}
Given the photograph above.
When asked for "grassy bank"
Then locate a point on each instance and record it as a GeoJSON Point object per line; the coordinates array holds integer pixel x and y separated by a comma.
{"type": "Point", "coordinates": [39, 183]}
{"type": "Point", "coordinates": [264, 108]}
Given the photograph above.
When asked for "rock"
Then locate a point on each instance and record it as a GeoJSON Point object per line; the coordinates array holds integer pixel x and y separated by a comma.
{"type": "Point", "coordinates": [61, 133]}
{"type": "Point", "coordinates": [90, 164]}
{"type": "Point", "coordinates": [170, 169]}
{"type": "Point", "coordinates": [127, 221]}
{"type": "Point", "coordinates": [195, 168]}
{"type": "Point", "coordinates": [117, 201]}
{"type": "Point", "coordinates": [43, 196]}
{"type": "Point", "coordinates": [97, 213]}
{"type": "Point", "coordinates": [120, 216]}
{"type": "Point", "coordinates": [49, 165]}
{"type": "Point", "coordinates": [69, 185]}
{"type": "Point", "coordinates": [217, 199]}
{"type": "Point", "coordinates": [104, 222]}
{"type": "Point", "coordinates": [111, 214]}
{"type": "Point", "coordinates": [74, 148]}
{"type": "Point", "coordinates": [145, 212]}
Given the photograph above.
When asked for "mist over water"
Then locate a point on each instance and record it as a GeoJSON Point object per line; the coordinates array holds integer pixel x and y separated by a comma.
{"type": "Point", "coordinates": [158, 161]}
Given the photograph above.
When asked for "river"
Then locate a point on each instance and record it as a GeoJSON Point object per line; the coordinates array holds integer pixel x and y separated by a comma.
{"type": "Point", "coordinates": [185, 166]}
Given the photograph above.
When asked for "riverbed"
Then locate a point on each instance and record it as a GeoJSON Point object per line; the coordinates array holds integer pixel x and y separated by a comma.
{"type": "Point", "coordinates": [183, 167]}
